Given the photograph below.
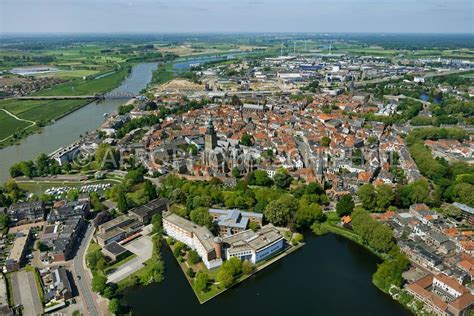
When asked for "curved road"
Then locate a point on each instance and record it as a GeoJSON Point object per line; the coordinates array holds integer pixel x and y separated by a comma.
{"type": "Point", "coordinates": [84, 283]}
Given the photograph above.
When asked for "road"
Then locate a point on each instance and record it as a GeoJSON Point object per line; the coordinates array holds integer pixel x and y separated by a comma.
{"type": "Point", "coordinates": [84, 283]}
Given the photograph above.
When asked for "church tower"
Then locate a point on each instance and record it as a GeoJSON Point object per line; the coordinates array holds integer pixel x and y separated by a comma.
{"type": "Point", "coordinates": [210, 138]}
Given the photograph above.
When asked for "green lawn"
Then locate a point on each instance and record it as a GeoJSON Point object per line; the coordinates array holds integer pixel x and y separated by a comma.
{"type": "Point", "coordinates": [120, 263]}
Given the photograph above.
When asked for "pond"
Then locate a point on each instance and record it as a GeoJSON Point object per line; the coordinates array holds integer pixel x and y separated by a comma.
{"type": "Point", "coordinates": [330, 275]}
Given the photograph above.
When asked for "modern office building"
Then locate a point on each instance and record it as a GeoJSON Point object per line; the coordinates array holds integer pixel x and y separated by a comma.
{"type": "Point", "coordinates": [245, 245]}
{"type": "Point", "coordinates": [253, 246]}
{"type": "Point", "coordinates": [195, 237]}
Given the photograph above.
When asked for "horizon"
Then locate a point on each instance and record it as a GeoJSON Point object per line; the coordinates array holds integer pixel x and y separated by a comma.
{"type": "Point", "coordinates": [236, 17]}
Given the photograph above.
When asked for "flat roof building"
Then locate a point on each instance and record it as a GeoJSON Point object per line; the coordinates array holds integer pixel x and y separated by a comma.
{"type": "Point", "coordinates": [234, 221]}
{"type": "Point", "coordinates": [18, 251]}
{"type": "Point", "coordinates": [145, 212]}
{"type": "Point", "coordinates": [253, 246]}
{"type": "Point", "coordinates": [195, 237]}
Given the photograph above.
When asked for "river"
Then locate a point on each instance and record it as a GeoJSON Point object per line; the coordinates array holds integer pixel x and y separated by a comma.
{"type": "Point", "coordinates": [68, 128]}
{"type": "Point", "coordinates": [330, 275]}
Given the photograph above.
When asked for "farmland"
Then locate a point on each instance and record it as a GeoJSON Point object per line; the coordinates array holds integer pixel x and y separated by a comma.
{"type": "Point", "coordinates": [41, 112]}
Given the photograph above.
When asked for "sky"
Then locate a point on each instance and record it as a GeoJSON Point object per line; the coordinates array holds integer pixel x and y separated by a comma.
{"type": "Point", "coordinates": [222, 16]}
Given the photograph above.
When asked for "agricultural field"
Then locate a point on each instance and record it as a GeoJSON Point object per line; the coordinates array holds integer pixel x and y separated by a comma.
{"type": "Point", "coordinates": [41, 112]}
{"type": "Point", "coordinates": [89, 86]}
{"type": "Point", "coordinates": [10, 125]}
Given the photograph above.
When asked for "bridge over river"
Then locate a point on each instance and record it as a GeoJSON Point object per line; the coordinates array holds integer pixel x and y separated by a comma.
{"type": "Point", "coordinates": [114, 95]}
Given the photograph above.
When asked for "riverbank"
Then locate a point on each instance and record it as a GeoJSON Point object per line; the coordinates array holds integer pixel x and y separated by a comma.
{"type": "Point", "coordinates": [70, 127]}
{"type": "Point", "coordinates": [47, 112]}
{"type": "Point", "coordinates": [42, 113]}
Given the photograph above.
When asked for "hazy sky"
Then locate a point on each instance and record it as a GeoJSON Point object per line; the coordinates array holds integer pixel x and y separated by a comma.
{"type": "Point", "coordinates": [436, 16]}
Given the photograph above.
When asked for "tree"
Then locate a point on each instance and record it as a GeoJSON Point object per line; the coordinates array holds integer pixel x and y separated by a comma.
{"type": "Point", "coordinates": [190, 272]}
{"type": "Point", "coordinates": [246, 139]}
{"type": "Point", "coordinates": [122, 202]}
{"type": "Point", "coordinates": [385, 197]}
{"type": "Point", "coordinates": [193, 257]}
{"type": "Point", "coordinates": [247, 267]}
{"type": "Point", "coordinates": [93, 259]}
{"type": "Point", "coordinates": [282, 179]}
{"type": "Point", "coordinates": [390, 272]}
{"type": "Point", "coordinates": [233, 265]}
{"type": "Point", "coordinates": [99, 283]}
{"type": "Point", "coordinates": [109, 292]}
{"type": "Point", "coordinates": [345, 205]}
{"type": "Point", "coordinates": [368, 196]}
{"type": "Point", "coordinates": [200, 284]}
{"type": "Point", "coordinates": [201, 217]}
{"type": "Point", "coordinates": [178, 248]}
{"type": "Point", "coordinates": [150, 190]}
{"type": "Point", "coordinates": [72, 195]}
{"type": "Point", "coordinates": [225, 278]}
{"type": "Point", "coordinates": [297, 238]}
{"type": "Point", "coordinates": [114, 306]}
{"type": "Point", "coordinates": [157, 224]}
{"type": "Point", "coordinates": [281, 212]}
{"type": "Point", "coordinates": [106, 157]}
{"type": "Point", "coordinates": [134, 176]}
{"type": "Point", "coordinates": [308, 214]}
{"type": "Point", "coordinates": [254, 226]}
{"type": "Point", "coordinates": [325, 141]}
{"type": "Point", "coordinates": [235, 172]}
{"type": "Point", "coordinates": [381, 238]}
{"type": "Point", "coordinates": [3, 221]}
{"type": "Point", "coordinates": [262, 178]}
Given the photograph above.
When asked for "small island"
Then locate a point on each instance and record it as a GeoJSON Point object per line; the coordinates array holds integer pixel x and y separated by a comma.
{"type": "Point", "coordinates": [212, 264]}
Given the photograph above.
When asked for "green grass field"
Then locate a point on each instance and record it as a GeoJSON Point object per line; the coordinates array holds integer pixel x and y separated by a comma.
{"type": "Point", "coordinates": [40, 111]}
{"type": "Point", "coordinates": [91, 86]}
{"type": "Point", "coordinates": [10, 125]}
{"type": "Point", "coordinates": [40, 187]}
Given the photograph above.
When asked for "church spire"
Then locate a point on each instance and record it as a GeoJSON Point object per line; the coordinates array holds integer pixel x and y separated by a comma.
{"type": "Point", "coordinates": [210, 138]}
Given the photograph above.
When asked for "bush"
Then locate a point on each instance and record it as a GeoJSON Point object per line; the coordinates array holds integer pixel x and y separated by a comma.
{"type": "Point", "coordinates": [190, 272]}
{"type": "Point", "coordinates": [193, 257]}
{"type": "Point", "coordinates": [297, 237]}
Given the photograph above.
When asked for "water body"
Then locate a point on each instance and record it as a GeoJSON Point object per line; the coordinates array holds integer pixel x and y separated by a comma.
{"type": "Point", "coordinates": [68, 129]}
{"type": "Point", "coordinates": [426, 97]}
{"type": "Point", "coordinates": [183, 65]}
{"type": "Point", "coordinates": [330, 275]}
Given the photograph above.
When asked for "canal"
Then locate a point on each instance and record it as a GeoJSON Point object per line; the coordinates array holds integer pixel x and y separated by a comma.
{"type": "Point", "coordinates": [330, 275]}
{"type": "Point", "coordinates": [69, 128]}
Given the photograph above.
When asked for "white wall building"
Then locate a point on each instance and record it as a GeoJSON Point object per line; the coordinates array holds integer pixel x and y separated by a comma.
{"type": "Point", "coordinates": [196, 237]}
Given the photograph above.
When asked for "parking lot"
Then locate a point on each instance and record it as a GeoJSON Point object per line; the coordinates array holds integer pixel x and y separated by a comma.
{"type": "Point", "coordinates": [143, 248]}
